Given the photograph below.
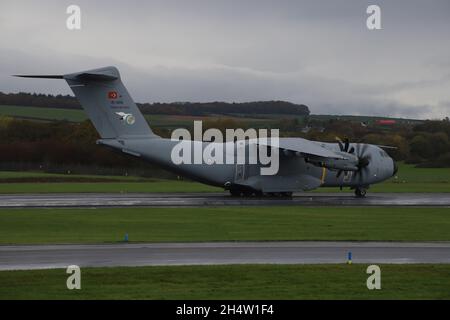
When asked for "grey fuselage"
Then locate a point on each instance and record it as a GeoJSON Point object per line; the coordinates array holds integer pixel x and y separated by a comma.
{"type": "Point", "coordinates": [295, 172]}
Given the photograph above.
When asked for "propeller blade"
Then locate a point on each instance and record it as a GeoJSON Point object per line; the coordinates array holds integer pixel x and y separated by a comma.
{"type": "Point", "coordinates": [347, 144]}
{"type": "Point", "coordinates": [339, 141]}
{"type": "Point", "coordinates": [363, 162]}
{"type": "Point", "coordinates": [363, 150]}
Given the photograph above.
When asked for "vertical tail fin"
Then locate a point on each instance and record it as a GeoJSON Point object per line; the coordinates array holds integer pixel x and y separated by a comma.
{"type": "Point", "coordinates": [107, 102]}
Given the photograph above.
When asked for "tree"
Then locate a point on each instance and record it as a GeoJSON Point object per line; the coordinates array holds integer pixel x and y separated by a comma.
{"type": "Point", "coordinates": [421, 147]}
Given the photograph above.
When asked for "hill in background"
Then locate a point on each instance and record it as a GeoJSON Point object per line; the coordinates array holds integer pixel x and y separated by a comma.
{"type": "Point", "coordinates": [174, 108]}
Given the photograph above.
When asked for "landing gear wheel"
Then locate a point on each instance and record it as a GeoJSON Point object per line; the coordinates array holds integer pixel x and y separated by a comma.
{"type": "Point", "coordinates": [360, 192]}
{"type": "Point", "coordinates": [235, 193]}
{"type": "Point", "coordinates": [287, 194]}
{"type": "Point", "coordinates": [274, 194]}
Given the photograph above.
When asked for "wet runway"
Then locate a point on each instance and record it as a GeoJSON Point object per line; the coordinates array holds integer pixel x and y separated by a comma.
{"type": "Point", "coordinates": [295, 252]}
{"type": "Point", "coordinates": [219, 199]}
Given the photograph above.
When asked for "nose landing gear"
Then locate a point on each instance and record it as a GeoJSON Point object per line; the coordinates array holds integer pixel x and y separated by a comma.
{"type": "Point", "coordinates": [360, 192]}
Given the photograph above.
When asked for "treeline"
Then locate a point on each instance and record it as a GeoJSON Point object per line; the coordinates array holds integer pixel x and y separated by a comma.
{"type": "Point", "coordinates": [39, 100]}
{"type": "Point", "coordinates": [62, 145]}
{"type": "Point", "coordinates": [426, 144]}
{"type": "Point", "coordinates": [244, 108]}
{"type": "Point", "coordinates": [175, 108]}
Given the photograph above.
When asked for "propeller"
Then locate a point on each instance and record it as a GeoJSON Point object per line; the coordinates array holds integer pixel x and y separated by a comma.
{"type": "Point", "coordinates": [360, 151]}
{"type": "Point", "coordinates": [363, 160]}
{"type": "Point", "coordinates": [343, 146]}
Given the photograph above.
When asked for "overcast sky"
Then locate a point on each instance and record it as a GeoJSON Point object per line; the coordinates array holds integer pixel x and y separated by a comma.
{"type": "Point", "coordinates": [319, 53]}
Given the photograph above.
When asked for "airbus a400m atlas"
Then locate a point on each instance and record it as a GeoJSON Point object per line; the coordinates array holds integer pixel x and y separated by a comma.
{"type": "Point", "coordinates": [303, 164]}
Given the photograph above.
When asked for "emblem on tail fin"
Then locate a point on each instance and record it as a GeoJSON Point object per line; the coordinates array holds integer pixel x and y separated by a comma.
{"type": "Point", "coordinates": [112, 95]}
{"type": "Point", "coordinates": [127, 117]}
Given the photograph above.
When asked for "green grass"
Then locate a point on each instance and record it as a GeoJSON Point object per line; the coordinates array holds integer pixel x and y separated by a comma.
{"type": "Point", "coordinates": [9, 179]}
{"type": "Point", "coordinates": [112, 187]}
{"type": "Point", "coordinates": [412, 187]}
{"type": "Point", "coordinates": [232, 282]}
{"type": "Point", "coordinates": [105, 225]}
{"type": "Point", "coordinates": [37, 174]}
{"type": "Point", "coordinates": [40, 182]}
{"type": "Point", "coordinates": [410, 179]}
{"type": "Point", "coordinates": [43, 113]}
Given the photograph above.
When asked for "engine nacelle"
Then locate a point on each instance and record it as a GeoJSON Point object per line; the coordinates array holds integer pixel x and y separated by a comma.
{"type": "Point", "coordinates": [350, 164]}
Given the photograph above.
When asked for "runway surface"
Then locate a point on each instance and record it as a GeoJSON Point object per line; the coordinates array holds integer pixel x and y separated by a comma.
{"type": "Point", "coordinates": [61, 256]}
{"type": "Point", "coordinates": [219, 199]}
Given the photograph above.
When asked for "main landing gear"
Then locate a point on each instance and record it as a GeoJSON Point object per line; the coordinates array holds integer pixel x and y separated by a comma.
{"type": "Point", "coordinates": [360, 192]}
{"type": "Point", "coordinates": [245, 193]}
{"type": "Point", "coordinates": [251, 193]}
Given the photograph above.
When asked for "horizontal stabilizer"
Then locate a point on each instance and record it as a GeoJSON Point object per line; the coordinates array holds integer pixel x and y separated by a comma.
{"type": "Point", "coordinates": [39, 76]}
{"type": "Point", "coordinates": [83, 76]}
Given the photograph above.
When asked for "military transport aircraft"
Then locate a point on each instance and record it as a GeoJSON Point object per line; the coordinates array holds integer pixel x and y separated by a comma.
{"type": "Point", "coordinates": [303, 164]}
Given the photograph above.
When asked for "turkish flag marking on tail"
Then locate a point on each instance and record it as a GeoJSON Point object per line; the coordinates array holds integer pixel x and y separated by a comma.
{"type": "Point", "coordinates": [112, 95]}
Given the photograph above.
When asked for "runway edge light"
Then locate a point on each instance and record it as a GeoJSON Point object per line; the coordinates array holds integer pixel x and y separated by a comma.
{"type": "Point", "coordinates": [349, 258]}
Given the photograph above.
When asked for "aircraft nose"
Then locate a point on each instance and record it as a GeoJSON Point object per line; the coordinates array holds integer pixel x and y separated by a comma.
{"type": "Point", "coordinates": [395, 168]}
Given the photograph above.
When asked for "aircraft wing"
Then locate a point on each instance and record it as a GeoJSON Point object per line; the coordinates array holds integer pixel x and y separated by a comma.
{"type": "Point", "coordinates": [304, 147]}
